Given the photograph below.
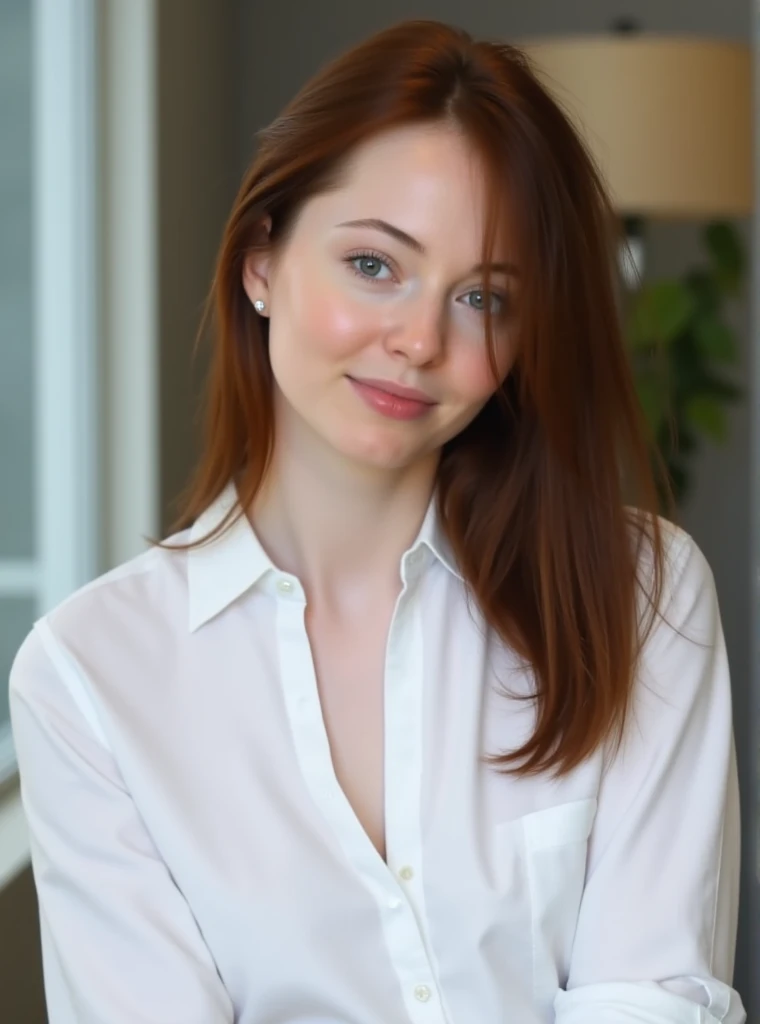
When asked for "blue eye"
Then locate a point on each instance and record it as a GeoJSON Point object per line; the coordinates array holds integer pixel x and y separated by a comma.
{"type": "Point", "coordinates": [369, 266]}
{"type": "Point", "coordinates": [479, 302]}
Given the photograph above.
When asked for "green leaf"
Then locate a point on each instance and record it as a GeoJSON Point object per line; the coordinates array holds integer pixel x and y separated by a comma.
{"type": "Point", "coordinates": [709, 416]}
{"type": "Point", "coordinates": [660, 312]}
{"type": "Point", "coordinates": [726, 253]}
{"type": "Point", "coordinates": [715, 340]}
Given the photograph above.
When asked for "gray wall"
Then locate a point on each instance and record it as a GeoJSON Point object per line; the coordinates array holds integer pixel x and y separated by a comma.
{"type": "Point", "coordinates": [197, 179]}
{"type": "Point", "coordinates": [227, 68]}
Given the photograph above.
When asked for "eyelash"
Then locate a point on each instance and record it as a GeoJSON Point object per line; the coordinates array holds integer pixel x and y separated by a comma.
{"type": "Point", "coordinates": [369, 254]}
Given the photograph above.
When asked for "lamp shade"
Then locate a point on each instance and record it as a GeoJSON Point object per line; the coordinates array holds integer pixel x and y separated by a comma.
{"type": "Point", "coordinates": [668, 119]}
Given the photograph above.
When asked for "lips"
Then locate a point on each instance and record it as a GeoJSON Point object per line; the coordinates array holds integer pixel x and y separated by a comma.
{"type": "Point", "coordinates": [397, 390]}
{"type": "Point", "coordinates": [391, 400]}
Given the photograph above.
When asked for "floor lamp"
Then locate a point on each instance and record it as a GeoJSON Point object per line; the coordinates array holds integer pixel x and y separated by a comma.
{"type": "Point", "coordinates": [667, 118]}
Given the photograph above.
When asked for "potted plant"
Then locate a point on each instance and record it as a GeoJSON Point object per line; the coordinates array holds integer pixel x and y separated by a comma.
{"type": "Point", "coordinates": [681, 348]}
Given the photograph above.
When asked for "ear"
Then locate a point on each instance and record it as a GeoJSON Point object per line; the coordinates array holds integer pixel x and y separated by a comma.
{"type": "Point", "coordinates": [257, 267]}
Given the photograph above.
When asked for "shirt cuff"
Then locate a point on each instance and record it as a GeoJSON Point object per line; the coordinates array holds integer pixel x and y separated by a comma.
{"type": "Point", "coordinates": [646, 1003]}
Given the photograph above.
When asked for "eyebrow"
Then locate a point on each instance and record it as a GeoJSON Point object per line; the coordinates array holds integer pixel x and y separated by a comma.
{"type": "Point", "coordinates": [376, 224]}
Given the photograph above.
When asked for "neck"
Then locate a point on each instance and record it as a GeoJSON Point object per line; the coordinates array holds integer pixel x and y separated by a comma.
{"type": "Point", "coordinates": [340, 527]}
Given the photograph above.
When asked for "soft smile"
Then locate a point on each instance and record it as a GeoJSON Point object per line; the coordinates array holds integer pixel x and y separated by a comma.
{"type": "Point", "coordinates": [392, 400]}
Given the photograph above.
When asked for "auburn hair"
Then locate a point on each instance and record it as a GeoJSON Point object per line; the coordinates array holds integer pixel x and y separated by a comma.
{"type": "Point", "coordinates": [548, 497]}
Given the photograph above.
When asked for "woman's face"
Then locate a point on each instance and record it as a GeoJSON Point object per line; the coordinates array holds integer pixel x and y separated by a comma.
{"type": "Point", "coordinates": [378, 282]}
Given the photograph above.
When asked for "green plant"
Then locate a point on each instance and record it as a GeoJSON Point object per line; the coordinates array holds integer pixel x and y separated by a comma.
{"type": "Point", "coordinates": [681, 346]}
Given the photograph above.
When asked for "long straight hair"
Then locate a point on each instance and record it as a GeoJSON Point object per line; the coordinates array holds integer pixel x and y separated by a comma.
{"type": "Point", "coordinates": [531, 493]}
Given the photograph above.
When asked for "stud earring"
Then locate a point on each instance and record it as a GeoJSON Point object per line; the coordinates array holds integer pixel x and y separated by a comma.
{"type": "Point", "coordinates": [259, 305]}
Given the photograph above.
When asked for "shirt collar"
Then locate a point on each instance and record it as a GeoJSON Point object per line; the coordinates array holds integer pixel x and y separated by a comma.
{"type": "Point", "coordinates": [431, 536]}
{"type": "Point", "coordinates": [221, 570]}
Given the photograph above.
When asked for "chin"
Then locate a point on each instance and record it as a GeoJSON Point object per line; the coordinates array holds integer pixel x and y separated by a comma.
{"type": "Point", "coordinates": [378, 452]}
{"type": "Point", "coordinates": [381, 461]}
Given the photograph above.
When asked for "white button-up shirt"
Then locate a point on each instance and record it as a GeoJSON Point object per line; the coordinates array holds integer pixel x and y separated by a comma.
{"type": "Point", "coordinates": [197, 861]}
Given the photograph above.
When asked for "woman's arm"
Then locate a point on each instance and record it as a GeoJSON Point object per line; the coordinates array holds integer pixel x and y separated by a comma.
{"type": "Point", "coordinates": [657, 927]}
{"type": "Point", "coordinates": [120, 945]}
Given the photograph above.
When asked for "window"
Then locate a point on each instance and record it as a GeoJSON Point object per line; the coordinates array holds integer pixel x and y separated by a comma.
{"type": "Point", "coordinates": [48, 508]}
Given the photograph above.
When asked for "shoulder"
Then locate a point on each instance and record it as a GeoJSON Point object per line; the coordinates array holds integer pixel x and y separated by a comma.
{"type": "Point", "coordinates": [682, 664]}
{"type": "Point", "coordinates": [685, 572]}
{"type": "Point", "coordinates": [148, 588]}
{"type": "Point", "coordinates": [111, 620]}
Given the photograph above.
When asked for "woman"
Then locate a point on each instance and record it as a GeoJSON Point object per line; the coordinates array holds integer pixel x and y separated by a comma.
{"type": "Point", "coordinates": [418, 721]}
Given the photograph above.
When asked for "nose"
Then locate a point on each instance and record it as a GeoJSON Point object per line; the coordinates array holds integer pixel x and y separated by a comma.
{"type": "Point", "coordinates": [418, 334]}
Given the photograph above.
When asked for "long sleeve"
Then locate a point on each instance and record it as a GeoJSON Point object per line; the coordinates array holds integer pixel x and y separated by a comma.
{"type": "Point", "coordinates": [657, 927]}
{"type": "Point", "coordinates": [120, 944]}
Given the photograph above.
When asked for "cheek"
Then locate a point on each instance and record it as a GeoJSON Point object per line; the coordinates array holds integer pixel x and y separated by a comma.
{"type": "Point", "coordinates": [323, 322]}
{"type": "Point", "coordinates": [472, 374]}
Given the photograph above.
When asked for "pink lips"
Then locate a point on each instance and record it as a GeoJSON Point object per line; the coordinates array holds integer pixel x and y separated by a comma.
{"type": "Point", "coordinates": [392, 400]}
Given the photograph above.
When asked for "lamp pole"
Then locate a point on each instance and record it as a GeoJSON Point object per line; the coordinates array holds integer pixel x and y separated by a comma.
{"type": "Point", "coordinates": [633, 245]}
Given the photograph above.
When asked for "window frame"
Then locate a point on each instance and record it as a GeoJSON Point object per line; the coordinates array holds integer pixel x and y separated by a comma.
{"type": "Point", "coordinates": [65, 314]}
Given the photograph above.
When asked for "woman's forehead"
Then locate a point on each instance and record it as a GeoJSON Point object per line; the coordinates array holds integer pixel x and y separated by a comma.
{"type": "Point", "coordinates": [428, 181]}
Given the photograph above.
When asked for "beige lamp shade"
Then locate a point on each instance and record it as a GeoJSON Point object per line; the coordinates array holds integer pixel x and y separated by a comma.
{"type": "Point", "coordinates": [668, 119]}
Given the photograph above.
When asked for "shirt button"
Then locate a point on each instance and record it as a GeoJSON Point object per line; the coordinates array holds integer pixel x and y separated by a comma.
{"type": "Point", "coordinates": [422, 993]}
{"type": "Point", "coordinates": [406, 873]}
{"type": "Point", "coordinates": [394, 903]}
{"type": "Point", "coordinates": [284, 586]}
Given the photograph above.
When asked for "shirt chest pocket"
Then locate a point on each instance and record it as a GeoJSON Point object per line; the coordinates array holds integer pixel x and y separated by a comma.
{"type": "Point", "coordinates": [540, 870]}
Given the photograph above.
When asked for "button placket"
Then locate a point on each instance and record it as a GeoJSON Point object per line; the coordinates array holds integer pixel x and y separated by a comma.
{"type": "Point", "coordinates": [406, 928]}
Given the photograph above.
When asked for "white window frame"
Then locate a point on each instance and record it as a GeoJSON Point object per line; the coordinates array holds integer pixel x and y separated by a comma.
{"type": "Point", "coordinates": [65, 289]}
{"type": "Point", "coordinates": [95, 334]}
